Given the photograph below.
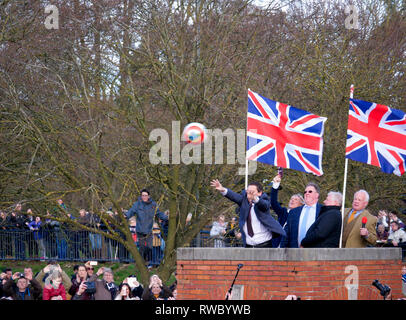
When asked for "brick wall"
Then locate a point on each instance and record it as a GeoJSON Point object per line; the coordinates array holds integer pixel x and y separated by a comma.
{"type": "Point", "coordinates": [272, 274]}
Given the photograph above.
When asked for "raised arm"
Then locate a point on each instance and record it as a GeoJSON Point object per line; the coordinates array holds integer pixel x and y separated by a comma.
{"type": "Point", "coordinates": [217, 185]}
{"type": "Point", "coordinates": [229, 194]}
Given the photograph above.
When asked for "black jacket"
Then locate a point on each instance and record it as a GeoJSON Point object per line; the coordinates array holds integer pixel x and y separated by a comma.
{"type": "Point", "coordinates": [33, 291]}
{"type": "Point", "coordinates": [164, 294]}
{"type": "Point", "coordinates": [326, 230]}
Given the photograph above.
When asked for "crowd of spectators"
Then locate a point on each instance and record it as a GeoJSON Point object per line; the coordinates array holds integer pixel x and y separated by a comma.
{"type": "Point", "coordinates": [224, 233]}
{"type": "Point", "coordinates": [53, 283]}
{"type": "Point", "coordinates": [390, 229]}
{"type": "Point", "coordinates": [26, 235]}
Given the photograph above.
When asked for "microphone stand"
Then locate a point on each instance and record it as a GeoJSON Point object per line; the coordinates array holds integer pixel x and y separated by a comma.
{"type": "Point", "coordinates": [235, 277]}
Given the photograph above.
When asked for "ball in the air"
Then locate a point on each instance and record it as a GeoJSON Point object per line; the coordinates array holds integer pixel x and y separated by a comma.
{"type": "Point", "coordinates": [194, 133]}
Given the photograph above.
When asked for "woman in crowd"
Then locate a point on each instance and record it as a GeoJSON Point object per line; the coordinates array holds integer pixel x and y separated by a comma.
{"type": "Point", "coordinates": [157, 290]}
{"type": "Point", "coordinates": [81, 276]}
{"type": "Point", "coordinates": [174, 292]}
{"type": "Point", "coordinates": [124, 292]}
{"type": "Point", "coordinates": [218, 231]}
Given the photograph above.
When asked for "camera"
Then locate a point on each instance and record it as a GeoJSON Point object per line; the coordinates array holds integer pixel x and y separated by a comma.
{"type": "Point", "coordinates": [383, 288]}
{"type": "Point", "coordinates": [90, 287]}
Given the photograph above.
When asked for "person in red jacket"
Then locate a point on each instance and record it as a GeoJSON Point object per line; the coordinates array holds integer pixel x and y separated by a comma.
{"type": "Point", "coordinates": [54, 289]}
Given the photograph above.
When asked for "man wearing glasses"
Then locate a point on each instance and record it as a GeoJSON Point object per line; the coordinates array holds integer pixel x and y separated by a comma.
{"type": "Point", "coordinates": [301, 218]}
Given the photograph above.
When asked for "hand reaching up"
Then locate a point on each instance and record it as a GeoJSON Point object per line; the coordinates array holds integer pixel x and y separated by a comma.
{"type": "Point", "coordinates": [217, 185]}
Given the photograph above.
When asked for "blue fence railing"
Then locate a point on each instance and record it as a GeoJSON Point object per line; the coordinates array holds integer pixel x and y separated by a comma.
{"type": "Point", "coordinates": [59, 245]}
{"type": "Point", "coordinates": [84, 246]}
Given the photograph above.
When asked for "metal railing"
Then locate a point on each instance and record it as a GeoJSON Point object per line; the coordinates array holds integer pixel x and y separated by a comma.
{"type": "Point", "coordinates": [85, 246]}
{"type": "Point", "coordinates": [64, 245]}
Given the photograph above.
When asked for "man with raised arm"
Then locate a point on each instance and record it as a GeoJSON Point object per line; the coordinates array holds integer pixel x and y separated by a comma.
{"type": "Point", "coordinates": [255, 219]}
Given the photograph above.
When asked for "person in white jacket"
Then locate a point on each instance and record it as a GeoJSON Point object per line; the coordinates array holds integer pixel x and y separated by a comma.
{"type": "Point", "coordinates": [397, 236]}
{"type": "Point", "coordinates": [218, 230]}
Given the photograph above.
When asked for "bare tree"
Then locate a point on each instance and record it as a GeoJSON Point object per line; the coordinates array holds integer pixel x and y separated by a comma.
{"type": "Point", "coordinates": [79, 103]}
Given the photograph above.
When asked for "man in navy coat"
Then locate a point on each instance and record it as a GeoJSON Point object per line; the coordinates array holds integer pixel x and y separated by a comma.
{"type": "Point", "coordinates": [255, 219]}
{"type": "Point", "coordinates": [295, 201]}
{"type": "Point", "coordinates": [301, 218]}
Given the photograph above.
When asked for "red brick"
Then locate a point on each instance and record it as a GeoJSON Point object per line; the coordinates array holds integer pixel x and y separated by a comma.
{"type": "Point", "coordinates": [275, 279]}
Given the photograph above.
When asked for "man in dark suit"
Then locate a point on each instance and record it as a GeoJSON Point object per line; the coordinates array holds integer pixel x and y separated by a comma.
{"type": "Point", "coordinates": [255, 219]}
{"type": "Point", "coordinates": [301, 218]}
{"type": "Point", "coordinates": [295, 201]}
{"type": "Point", "coordinates": [325, 232]}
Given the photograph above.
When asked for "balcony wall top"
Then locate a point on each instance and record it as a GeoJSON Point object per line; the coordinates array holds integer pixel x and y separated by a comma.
{"type": "Point", "coordinates": [289, 254]}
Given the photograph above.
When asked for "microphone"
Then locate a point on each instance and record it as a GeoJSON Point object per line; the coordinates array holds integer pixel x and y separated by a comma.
{"type": "Point", "coordinates": [240, 265]}
{"type": "Point", "coordinates": [364, 221]}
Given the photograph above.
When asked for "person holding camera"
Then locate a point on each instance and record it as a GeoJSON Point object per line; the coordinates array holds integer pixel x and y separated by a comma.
{"type": "Point", "coordinates": [43, 274]}
{"type": "Point", "coordinates": [156, 290]}
{"type": "Point", "coordinates": [81, 277]}
{"type": "Point", "coordinates": [384, 290]}
{"type": "Point", "coordinates": [81, 294]}
{"type": "Point", "coordinates": [4, 276]}
{"type": "Point", "coordinates": [136, 288]}
{"type": "Point", "coordinates": [101, 289]}
{"type": "Point", "coordinates": [21, 288]}
{"type": "Point", "coordinates": [124, 293]}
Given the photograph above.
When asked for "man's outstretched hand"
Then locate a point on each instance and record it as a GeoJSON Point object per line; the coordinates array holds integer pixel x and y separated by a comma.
{"type": "Point", "coordinates": [217, 185]}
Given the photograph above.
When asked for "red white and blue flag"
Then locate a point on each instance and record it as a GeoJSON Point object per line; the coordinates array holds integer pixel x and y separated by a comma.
{"type": "Point", "coordinates": [284, 136]}
{"type": "Point", "coordinates": [376, 135]}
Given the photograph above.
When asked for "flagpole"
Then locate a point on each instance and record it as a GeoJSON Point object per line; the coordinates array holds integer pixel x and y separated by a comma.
{"type": "Point", "coordinates": [246, 157]}
{"type": "Point", "coordinates": [246, 171]}
{"type": "Point", "coordinates": [345, 180]}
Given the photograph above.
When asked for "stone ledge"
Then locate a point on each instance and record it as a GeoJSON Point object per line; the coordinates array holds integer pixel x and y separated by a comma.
{"type": "Point", "coordinates": [288, 254]}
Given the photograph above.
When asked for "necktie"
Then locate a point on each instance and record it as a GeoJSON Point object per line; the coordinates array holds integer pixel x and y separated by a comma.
{"type": "Point", "coordinates": [249, 224]}
{"type": "Point", "coordinates": [303, 228]}
{"type": "Point", "coordinates": [351, 216]}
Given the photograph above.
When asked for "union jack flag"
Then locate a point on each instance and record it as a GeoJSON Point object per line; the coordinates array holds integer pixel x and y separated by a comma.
{"type": "Point", "coordinates": [284, 136]}
{"type": "Point", "coordinates": [376, 135]}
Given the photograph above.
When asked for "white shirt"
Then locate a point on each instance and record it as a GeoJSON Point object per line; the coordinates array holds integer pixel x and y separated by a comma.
{"type": "Point", "coordinates": [261, 234]}
{"type": "Point", "coordinates": [311, 217]}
